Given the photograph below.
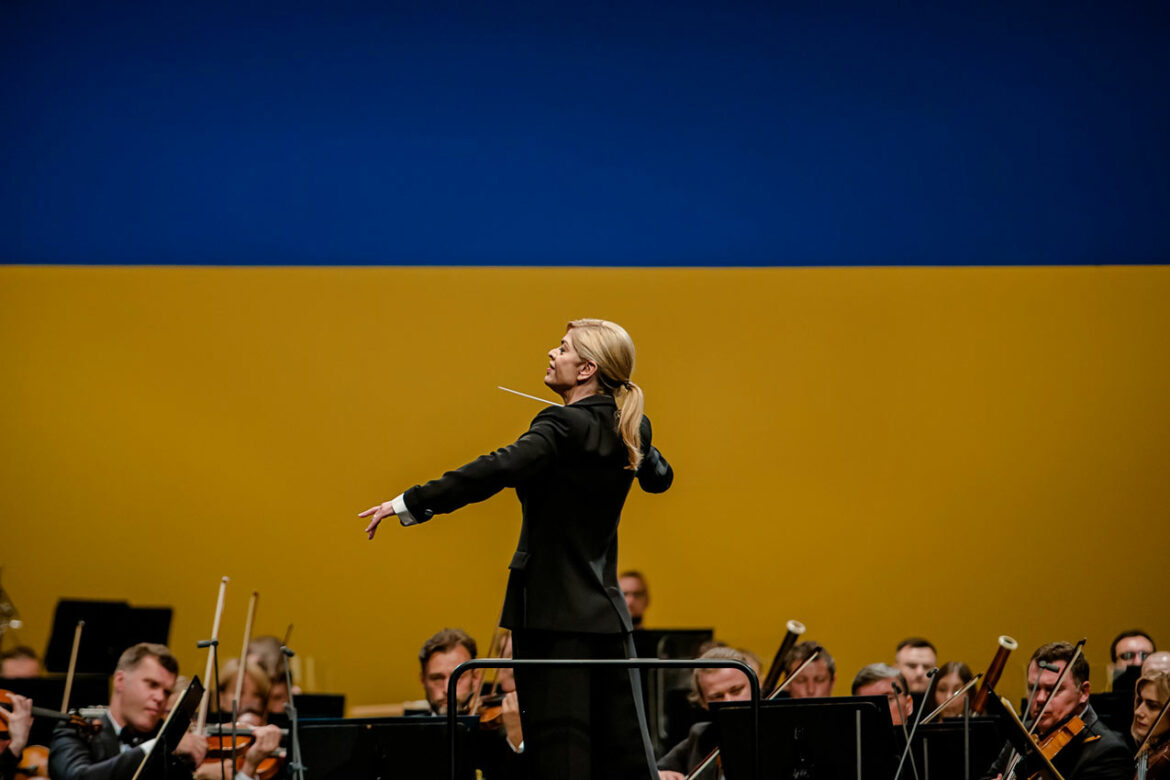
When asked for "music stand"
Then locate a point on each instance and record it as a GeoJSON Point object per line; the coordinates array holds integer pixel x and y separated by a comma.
{"type": "Point", "coordinates": [110, 628]}
{"type": "Point", "coordinates": [414, 747]}
{"type": "Point", "coordinates": [833, 738]}
{"type": "Point", "coordinates": [939, 748]}
{"type": "Point", "coordinates": [156, 763]}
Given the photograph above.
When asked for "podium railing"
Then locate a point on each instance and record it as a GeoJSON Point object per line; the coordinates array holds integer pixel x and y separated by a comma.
{"type": "Point", "coordinates": [623, 663]}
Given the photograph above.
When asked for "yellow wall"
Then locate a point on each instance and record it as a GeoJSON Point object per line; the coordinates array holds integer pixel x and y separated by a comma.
{"type": "Point", "coordinates": [957, 453]}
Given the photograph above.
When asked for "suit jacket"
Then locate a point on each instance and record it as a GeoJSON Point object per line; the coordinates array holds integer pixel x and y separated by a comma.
{"type": "Point", "coordinates": [686, 756]}
{"type": "Point", "coordinates": [569, 472]}
{"type": "Point", "coordinates": [77, 756]}
{"type": "Point", "coordinates": [1095, 754]}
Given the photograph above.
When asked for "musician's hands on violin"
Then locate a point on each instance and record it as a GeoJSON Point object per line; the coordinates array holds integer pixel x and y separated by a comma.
{"type": "Point", "coordinates": [265, 741]}
{"type": "Point", "coordinates": [19, 721]}
{"type": "Point", "coordinates": [383, 510]}
{"type": "Point", "coordinates": [193, 746]}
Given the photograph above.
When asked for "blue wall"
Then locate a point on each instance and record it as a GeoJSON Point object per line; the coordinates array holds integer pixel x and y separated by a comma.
{"type": "Point", "coordinates": [673, 133]}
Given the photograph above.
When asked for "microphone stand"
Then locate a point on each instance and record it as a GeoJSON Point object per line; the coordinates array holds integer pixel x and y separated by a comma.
{"type": "Point", "coordinates": [295, 765]}
{"type": "Point", "coordinates": [917, 718]}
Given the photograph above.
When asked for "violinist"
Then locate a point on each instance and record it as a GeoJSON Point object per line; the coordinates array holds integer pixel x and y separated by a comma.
{"type": "Point", "coordinates": [1092, 751]}
{"type": "Point", "coordinates": [266, 651]}
{"type": "Point", "coordinates": [14, 728]}
{"type": "Point", "coordinates": [817, 679]}
{"type": "Point", "coordinates": [952, 676]}
{"type": "Point", "coordinates": [708, 685]}
{"type": "Point", "coordinates": [438, 658]}
{"type": "Point", "coordinates": [1152, 737]}
{"type": "Point", "coordinates": [143, 682]}
{"type": "Point", "coordinates": [252, 707]}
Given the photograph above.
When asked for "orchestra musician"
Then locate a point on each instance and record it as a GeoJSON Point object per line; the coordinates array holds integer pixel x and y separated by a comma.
{"type": "Point", "coordinates": [885, 680]}
{"type": "Point", "coordinates": [18, 722]}
{"type": "Point", "coordinates": [572, 471]}
{"type": "Point", "coordinates": [952, 676]}
{"type": "Point", "coordinates": [1151, 693]}
{"type": "Point", "coordinates": [637, 595]}
{"type": "Point", "coordinates": [265, 651]}
{"type": "Point", "coordinates": [914, 657]}
{"type": "Point", "coordinates": [20, 661]}
{"type": "Point", "coordinates": [252, 712]}
{"type": "Point", "coordinates": [1130, 648]}
{"type": "Point", "coordinates": [708, 685]}
{"type": "Point", "coordinates": [1093, 751]}
{"type": "Point", "coordinates": [437, 659]}
{"type": "Point", "coordinates": [815, 680]}
{"type": "Point", "coordinates": [1158, 662]}
{"type": "Point", "coordinates": [143, 682]}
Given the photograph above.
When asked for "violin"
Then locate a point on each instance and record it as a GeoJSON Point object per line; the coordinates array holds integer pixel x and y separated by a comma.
{"type": "Point", "coordinates": [34, 759]}
{"type": "Point", "coordinates": [1057, 740]}
{"type": "Point", "coordinates": [225, 741]}
{"type": "Point", "coordinates": [1153, 763]}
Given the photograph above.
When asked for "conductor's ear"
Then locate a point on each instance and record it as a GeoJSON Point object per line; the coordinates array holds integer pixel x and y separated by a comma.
{"type": "Point", "coordinates": [587, 370]}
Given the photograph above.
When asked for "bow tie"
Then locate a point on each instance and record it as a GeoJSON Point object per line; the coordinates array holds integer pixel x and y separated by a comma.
{"type": "Point", "coordinates": [128, 736]}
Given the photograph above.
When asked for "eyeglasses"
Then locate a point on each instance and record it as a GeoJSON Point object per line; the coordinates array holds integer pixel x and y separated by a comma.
{"type": "Point", "coordinates": [1130, 655]}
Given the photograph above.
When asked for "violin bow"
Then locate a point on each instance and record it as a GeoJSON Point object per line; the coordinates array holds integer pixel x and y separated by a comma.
{"type": "Point", "coordinates": [935, 713]}
{"type": "Point", "coordinates": [72, 665]}
{"type": "Point", "coordinates": [201, 721]}
{"type": "Point", "coordinates": [244, 652]}
{"type": "Point", "coordinates": [1016, 723]}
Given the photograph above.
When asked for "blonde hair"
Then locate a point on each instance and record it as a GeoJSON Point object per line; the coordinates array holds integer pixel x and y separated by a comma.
{"type": "Point", "coordinates": [609, 346]}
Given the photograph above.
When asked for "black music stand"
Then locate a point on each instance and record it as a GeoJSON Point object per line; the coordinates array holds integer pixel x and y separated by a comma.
{"type": "Point", "coordinates": [110, 628]}
{"type": "Point", "coordinates": [414, 747]}
{"type": "Point", "coordinates": [845, 738]}
{"type": "Point", "coordinates": [939, 748]}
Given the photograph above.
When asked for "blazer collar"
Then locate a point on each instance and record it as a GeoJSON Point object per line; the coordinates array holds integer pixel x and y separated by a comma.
{"type": "Point", "coordinates": [600, 399]}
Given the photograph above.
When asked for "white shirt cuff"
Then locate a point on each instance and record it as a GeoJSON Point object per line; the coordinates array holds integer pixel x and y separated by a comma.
{"type": "Point", "coordinates": [403, 514]}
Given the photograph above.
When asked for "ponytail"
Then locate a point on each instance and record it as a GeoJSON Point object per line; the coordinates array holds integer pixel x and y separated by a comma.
{"type": "Point", "coordinates": [630, 423]}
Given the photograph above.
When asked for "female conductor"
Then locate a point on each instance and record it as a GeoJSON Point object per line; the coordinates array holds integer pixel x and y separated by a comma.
{"type": "Point", "coordinates": [572, 470]}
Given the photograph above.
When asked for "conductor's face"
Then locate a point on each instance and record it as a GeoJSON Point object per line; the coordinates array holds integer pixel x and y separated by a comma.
{"type": "Point", "coordinates": [566, 368]}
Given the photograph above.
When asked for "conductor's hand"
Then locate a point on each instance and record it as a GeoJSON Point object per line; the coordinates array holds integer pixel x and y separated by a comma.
{"type": "Point", "coordinates": [378, 512]}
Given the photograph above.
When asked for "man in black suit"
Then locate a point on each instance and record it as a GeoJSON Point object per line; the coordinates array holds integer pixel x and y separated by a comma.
{"type": "Point", "coordinates": [708, 685]}
{"type": "Point", "coordinates": [572, 471]}
{"type": "Point", "coordinates": [143, 682]}
{"type": "Point", "coordinates": [1095, 753]}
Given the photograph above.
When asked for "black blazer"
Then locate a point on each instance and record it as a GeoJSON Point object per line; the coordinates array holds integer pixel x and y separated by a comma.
{"type": "Point", "coordinates": [569, 472]}
{"type": "Point", "coordinates": [1096, 754]}
{"type": "Point", "coordinates": [77, 756]}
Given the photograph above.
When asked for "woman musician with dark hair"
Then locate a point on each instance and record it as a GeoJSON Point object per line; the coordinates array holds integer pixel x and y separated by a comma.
{"type": "Point", "coordinates": [572, 471]}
